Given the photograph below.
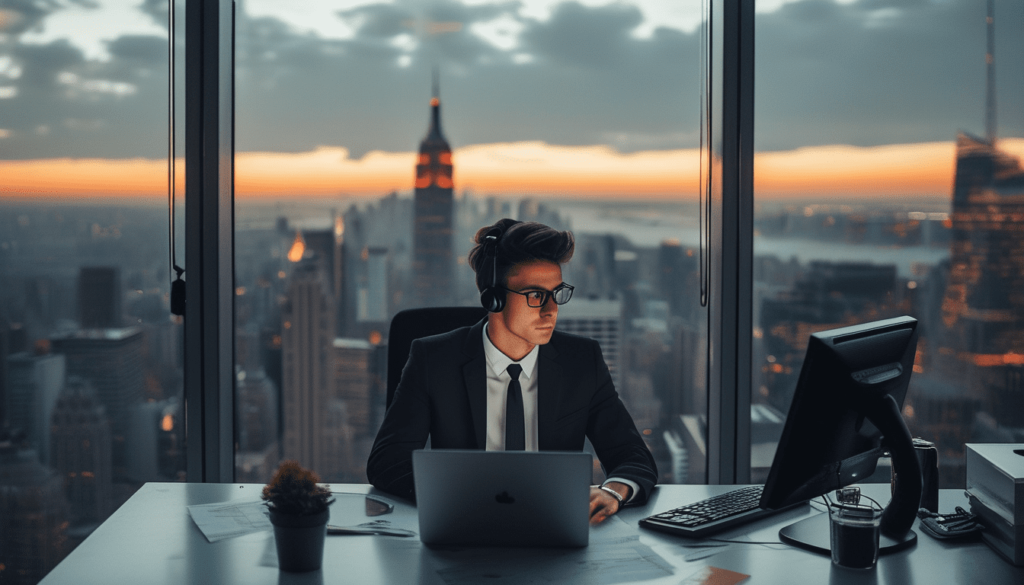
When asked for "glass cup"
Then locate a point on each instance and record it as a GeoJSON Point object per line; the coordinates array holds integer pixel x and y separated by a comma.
{"type": "Point", "coordinates": [853, 529]}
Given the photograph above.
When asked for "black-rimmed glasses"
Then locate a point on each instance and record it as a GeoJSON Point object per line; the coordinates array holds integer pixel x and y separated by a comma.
{"type": "Point", "coordinates": [539, 298]}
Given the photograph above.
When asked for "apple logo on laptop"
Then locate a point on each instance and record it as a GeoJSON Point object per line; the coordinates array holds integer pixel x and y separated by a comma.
{"type": "Point", "coordinates": [504, 498]}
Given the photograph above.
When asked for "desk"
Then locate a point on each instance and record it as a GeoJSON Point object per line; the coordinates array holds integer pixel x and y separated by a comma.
{"type": "Point", "coordinates": [152, 539]}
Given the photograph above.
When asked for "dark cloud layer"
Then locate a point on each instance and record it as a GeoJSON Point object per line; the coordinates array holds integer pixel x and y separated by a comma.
{"type": "Point", "coordinates": [871, 72]}
{"type": "Point", "coordinates": [883, 71]}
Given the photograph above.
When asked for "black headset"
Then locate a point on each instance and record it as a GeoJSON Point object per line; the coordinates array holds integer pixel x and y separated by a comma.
{"type": "Point", "coordinates": [492, 298]}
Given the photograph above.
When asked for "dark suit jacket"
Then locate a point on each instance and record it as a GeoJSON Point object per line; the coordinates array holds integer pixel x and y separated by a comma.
{"type": "Point", "coordinates": [443, 394]}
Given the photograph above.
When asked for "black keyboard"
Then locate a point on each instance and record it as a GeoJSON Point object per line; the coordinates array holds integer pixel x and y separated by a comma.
{"type": "Point", "coordinates": [713, 514]}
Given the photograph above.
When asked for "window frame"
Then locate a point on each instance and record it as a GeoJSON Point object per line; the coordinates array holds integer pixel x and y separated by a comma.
{"type": "Point", "coordinates": [209, 240]}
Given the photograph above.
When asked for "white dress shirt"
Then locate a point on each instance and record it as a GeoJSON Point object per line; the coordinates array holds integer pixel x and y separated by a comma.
{"type": "Point", "coordinates": [497, 395]}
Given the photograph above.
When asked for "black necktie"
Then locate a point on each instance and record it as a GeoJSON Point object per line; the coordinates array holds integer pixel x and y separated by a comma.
{"type": "Point", "coordinates": [515, 421]}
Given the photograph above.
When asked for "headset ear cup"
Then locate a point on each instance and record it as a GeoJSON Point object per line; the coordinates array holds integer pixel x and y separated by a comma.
{"type": "Point", "coordinates": [492, 299]}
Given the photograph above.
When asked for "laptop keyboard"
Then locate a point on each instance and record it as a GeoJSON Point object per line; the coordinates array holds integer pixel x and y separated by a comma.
{"type": "Point", "coordinates": [711, 515]}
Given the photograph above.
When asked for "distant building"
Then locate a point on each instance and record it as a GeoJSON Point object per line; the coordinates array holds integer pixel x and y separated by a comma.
{"type": "Point", "coordinates": [433, 262]}
{"type": "Point", "coordinates": [353, 361]}
{"type": "Point", "coordinates": [677, 272]}
{"type": "Point", "coordinates": [35, 382]}
{"type": "Point", "coordinates": [5, 350]}
{"type": "Point", "coordinates": [111, 361]}
{"type": "Point", "coordinates": [354, 375]}
{"type": "Point", "coordinates": [327, 249]}
{"type": "Point", "coordinates": [255, 411]}
{"type": "Point", "coordinates": [156, 435]}
{"type": "Point", "coordinates": [81, 452]}
{"type": "Point", "coordinates": [372, 305]}
{"type": "Point", "coordinates": [312, 435]}
{"type": "Point", "coordinates": [99, 297]}
{"type": "Point", "coordinates": [34, 516]}
{"type": "Point", "coordinates": [829, 295]}
{"type": "Point", "coordinates": [983, 308]}
{"type": "Point", "coordinates": [599, 320]}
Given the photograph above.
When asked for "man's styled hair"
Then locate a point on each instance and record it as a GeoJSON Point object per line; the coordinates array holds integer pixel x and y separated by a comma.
{"type": "Point", "coordinates": [518, 242]}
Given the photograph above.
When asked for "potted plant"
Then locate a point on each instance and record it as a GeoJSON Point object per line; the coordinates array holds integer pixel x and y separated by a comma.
{"type": "Point", "coordinates": [299, 510]}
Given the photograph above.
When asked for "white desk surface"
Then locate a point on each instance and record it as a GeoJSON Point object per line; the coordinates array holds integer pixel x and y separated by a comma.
{"type": "Point", "coordinates": [152, 539]}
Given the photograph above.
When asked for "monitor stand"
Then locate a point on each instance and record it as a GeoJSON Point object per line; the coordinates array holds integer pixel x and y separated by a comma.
{"type": "Point", "coordinates": [813, 534]}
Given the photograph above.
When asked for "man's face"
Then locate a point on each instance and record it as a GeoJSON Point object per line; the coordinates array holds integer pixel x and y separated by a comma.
{"type": "Point", "coordinates": [532, 325]}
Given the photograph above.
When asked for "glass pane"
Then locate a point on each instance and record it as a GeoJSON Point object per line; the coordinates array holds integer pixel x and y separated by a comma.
{"type": "Point", "coordinates": [90, 358]}
{"type": "Point", "coordinates": [357, 197]}
{"type": "Point", "coordinates": [889, 182]}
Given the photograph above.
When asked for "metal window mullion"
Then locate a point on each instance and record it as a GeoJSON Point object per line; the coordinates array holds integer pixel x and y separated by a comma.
{"type": "Point", "coordinates": [209, 241]}
{"type": "Point", "coordinates": [730, 326]}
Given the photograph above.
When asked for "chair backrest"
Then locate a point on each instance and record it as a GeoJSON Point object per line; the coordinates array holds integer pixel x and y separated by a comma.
{"type": "Point", "coordinates": [412, 324]}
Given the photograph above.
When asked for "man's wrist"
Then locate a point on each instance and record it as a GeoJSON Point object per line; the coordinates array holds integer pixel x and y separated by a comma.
{"type": "Point", "coordinates": [623, 488]}
{"type": "Point", "coordinates": [615, 494]}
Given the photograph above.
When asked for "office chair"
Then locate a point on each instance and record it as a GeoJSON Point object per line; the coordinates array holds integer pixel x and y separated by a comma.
{"type": "Point", "coordinates": [413, 324]}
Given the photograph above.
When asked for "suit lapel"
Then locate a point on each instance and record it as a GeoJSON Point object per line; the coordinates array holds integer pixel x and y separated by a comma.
{"type": "Point", "coordinates": [551, 380]}
{"type": "Point", "coordinates": [474, 377]}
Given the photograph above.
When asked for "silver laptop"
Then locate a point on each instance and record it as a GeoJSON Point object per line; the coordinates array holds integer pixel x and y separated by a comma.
{"type": "Point", "coordinates": [503, 498]}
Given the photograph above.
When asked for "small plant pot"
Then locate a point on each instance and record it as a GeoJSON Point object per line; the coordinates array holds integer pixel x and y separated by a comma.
{"type": "Point", "coordinates": [300, 540]}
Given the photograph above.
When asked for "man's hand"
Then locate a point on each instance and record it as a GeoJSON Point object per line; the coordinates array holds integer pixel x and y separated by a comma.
{"type": "Point", "coordinates": [603, 504]}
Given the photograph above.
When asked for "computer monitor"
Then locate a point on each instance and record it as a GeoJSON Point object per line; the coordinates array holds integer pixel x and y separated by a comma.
{"type": "Point", "coordinates": [845, 413]}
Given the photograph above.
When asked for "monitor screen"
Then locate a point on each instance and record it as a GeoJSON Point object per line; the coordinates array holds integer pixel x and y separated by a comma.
{"type": "Point", "coordinates": [827, 442]}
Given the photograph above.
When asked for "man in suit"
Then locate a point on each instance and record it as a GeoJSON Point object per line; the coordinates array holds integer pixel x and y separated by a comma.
{"type": "Point", "coordinates": [512, 382]}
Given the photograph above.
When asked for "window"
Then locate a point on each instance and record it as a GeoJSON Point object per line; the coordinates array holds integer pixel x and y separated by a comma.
{"type": "Point", "coordinates": [374, 140]}
{"type": "Point", "coordinates": [90, 360]}
{"type": "Point", "coordinates": [884, 187]}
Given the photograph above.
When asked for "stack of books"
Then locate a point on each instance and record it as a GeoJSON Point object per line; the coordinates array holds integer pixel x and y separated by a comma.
{"type": "Point", "coordinates": [995, 489]}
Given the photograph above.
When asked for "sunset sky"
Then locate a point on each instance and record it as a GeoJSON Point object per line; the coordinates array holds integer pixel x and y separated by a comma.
{"type": "Point", "coordinates": [518, 169]}
{"type": "Point", "coordinates": [854, 98]}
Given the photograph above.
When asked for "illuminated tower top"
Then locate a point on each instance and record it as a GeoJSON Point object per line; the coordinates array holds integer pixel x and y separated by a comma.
{"type": "Point", "coordinates": [434, 165]}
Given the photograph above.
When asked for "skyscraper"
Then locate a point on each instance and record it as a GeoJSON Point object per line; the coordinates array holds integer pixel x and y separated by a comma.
{"type": "Point", "coordinates": [80, 452]}
{"type": "Point", "coordinates": [599, 320]}
{"type": "Point", "coordinates": [433, 263]}
{"type": "Point", "coordinates": [99, 297]}
{"type": "Point", "coordinates": [35, 382]}
{"type": "Point", "coordinates": [327, 249]}
{"type": "Point", "coordinates": [372, 302]}
{"type": "Point", "coordinates": [33, 515]}
{"type": "Point", "coordinates": [311, 433]}
{"type": "Point", "coordinates": [983, 308]}
{"type": "Point", "coordinates": [353, 376]}
{"type": "Point", "coordinates": [111, 360]}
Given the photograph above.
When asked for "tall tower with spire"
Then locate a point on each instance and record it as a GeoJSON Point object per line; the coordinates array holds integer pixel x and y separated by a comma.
{"type": "Point", "coordinates": [433, 263]}
{"type": "Point", "coordinates": [983, 305]}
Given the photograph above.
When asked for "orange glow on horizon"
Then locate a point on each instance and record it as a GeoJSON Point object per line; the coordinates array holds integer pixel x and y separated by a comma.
{"type": "Point", "coordinates": [511, 169]}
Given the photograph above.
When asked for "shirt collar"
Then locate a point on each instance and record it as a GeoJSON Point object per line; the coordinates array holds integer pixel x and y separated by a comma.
{"type": "Point", "coordinates": [498, 362]}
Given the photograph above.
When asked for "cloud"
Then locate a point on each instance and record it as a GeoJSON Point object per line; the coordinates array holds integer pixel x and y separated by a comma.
{"type": "Point", "coordinates": [863, 73]}
{"type": "Point", "coordinates": [357, 94]}
{"type": "Point", "coordinates": [19, 16]}
{"type": "Point", "coordinates": [882, 71]}
{"type": "Point", "coordinates": [589, 37]}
